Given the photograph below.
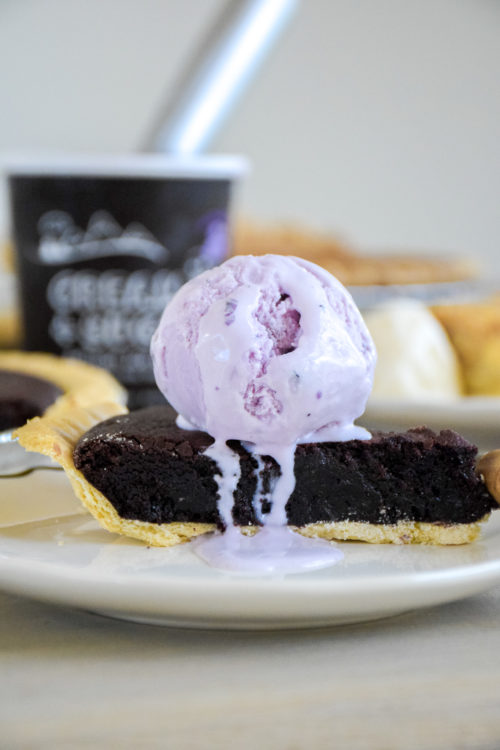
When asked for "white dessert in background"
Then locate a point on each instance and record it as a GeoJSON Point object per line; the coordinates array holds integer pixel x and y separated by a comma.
{"type": "Point", "coordinates": [415, 357]}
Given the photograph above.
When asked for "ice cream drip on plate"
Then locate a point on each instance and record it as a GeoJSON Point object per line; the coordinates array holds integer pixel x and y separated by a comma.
{"type": "Point", "coordinates": [270, 351]}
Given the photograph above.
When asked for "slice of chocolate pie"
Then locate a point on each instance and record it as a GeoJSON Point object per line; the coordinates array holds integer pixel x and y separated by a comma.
{"type": "Point", "coordinates": [270, 351]}
{"type": "Point", "coordinates": [141, 475]}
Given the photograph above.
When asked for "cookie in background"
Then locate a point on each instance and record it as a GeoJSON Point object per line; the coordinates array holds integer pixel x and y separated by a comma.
{"type": "Point", "coordinates": [474, 331]}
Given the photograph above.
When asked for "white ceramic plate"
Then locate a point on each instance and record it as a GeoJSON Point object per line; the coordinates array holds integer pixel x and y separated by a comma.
{"type": "Point", "coordinates": [469, 411]}
{"type": "Point", "coordinates": [367, 297]}
{"type": "Point", "coordinates": [51, 551]}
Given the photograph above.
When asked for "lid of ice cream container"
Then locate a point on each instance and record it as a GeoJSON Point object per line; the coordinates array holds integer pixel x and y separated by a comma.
{"type": "Point", "coordinates": [127, 165]}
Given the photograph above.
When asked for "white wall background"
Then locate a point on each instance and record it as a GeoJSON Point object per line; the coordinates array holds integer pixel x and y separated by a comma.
{"type": "Point", "coordinates": [378, 119]}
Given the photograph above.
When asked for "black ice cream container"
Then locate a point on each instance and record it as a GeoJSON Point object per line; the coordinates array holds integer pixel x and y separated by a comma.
{"type": "Point", "coordinates": [102, 244]}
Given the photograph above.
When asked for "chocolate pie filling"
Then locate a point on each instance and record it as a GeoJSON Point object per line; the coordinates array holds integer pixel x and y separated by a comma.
{"type": "Point", "coordinates": [23, 396]}
{"type": "Point", "coordinates": [151, 470]}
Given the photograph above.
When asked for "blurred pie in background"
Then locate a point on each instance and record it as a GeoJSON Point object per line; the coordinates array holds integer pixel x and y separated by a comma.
{"type": "Point", "coordinates": [33, 384]}
{"type": "Point", "coordinates": [351, 267]}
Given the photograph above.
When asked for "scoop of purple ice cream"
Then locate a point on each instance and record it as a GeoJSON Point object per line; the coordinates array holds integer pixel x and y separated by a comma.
{"type": "Point", "coordinates": [270, 350]}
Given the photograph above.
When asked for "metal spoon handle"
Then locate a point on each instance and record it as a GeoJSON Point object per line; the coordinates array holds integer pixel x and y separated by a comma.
{"type": "Point", "coordinates": [232, 51]}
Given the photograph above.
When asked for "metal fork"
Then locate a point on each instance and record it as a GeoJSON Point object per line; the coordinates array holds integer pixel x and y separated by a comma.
{"type": "Point", "coordinates": [15, 461]}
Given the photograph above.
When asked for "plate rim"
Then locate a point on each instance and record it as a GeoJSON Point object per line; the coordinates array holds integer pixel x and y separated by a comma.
{"type": "Point", "coordinates": [302, 583]}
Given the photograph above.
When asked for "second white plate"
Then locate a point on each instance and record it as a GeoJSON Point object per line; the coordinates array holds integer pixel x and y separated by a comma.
{"type": "Point", "coordinates": [475, 417]}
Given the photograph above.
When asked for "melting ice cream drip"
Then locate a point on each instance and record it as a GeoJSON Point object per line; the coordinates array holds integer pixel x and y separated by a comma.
{"type": "Point", "coordinates": [228, 463]}
{"type": "Point", "coordinates": [262, 496]}
{"type": "Point", "coordinates": [274, 548]}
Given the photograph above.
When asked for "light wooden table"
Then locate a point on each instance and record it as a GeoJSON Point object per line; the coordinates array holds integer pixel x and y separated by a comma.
{"type": "Point", "coordinates": [427, 680]}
